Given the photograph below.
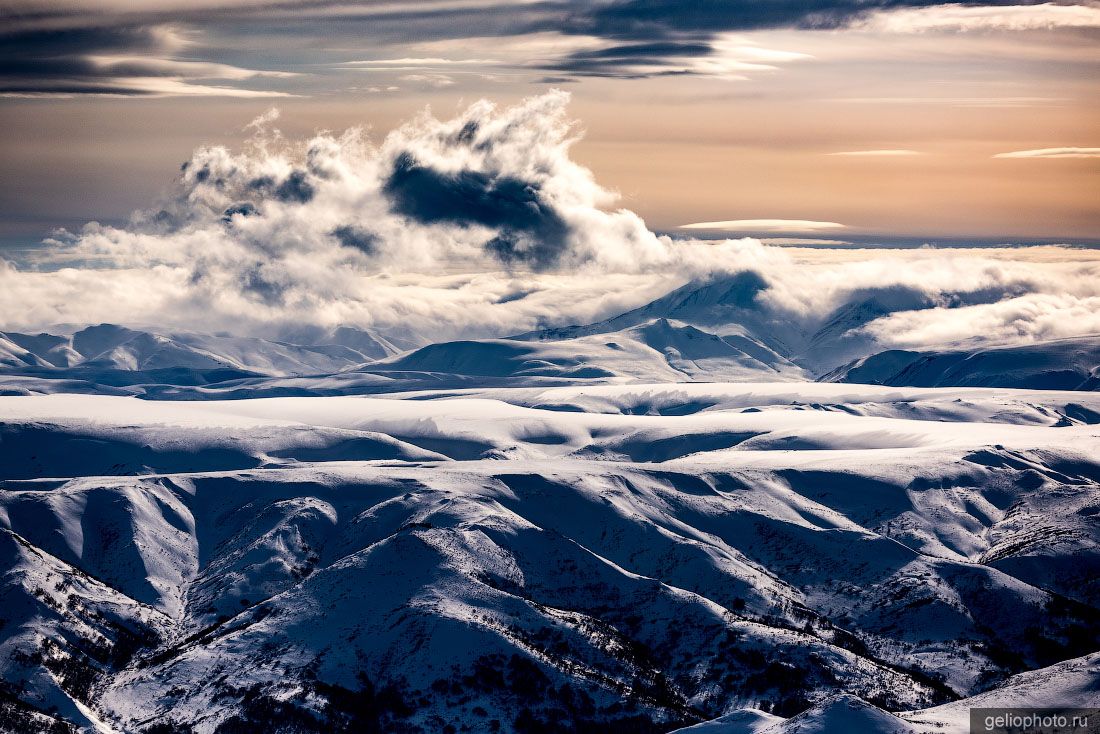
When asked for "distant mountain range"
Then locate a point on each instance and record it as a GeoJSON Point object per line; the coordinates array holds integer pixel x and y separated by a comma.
{"type": "Point", "coordinates": [1059, 364]}
{"type": "Point", "coordinates": [711, 331]}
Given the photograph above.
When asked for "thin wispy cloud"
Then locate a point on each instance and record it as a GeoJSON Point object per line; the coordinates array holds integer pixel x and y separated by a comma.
{"type": "Point", "coordinates": [883, 153]}
{"type": "Point", "coordinates": [122, 62]}
{"type": "Point", "coordinates": [1052, 153]}
{"type": "Point", "coordinates": [629, 39]}
{"type": "Point", "coordinates": [764, 225]}
{"type": "Point", "coordinates": [431, 72]}
{"type": "Point", "coordinates": [430, 80]}
{"type": "Point", "coordinates": [140, 87]}
{"type": "Point", "coordinates": [963, 18]}
{"type": "Point", "coordinates": [419, 63]}
{"type": "Point", "coordinates": [803, 242]}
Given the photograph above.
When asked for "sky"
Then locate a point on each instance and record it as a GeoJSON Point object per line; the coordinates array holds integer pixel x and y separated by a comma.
{"type": "Point", "coordinates": [832, 120]}
{"type": "Point", "coordinates": [468, 168]}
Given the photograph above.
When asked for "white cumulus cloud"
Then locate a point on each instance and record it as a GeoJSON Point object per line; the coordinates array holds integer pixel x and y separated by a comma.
{"type": "Point", "coordinates": [482, 225]}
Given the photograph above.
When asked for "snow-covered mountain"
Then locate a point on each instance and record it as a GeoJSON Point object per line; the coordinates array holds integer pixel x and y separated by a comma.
{"type": "Point", "coordinates": [652, 522]}
{"type": "Point", "coordinates": [108, 352]}
{"type": "Point", "coordinates": [655, 350]}
{"type": "Point", "coordinates": [714, 330]}
{"type": "Point", "coordinates": [1060, 364]}
{"type": "Point", "coordinates": [615, 558]}
{"type": "Point", "coordinates": [724, 307]}
{"type": "Point", "coordinates": [1068, 684]}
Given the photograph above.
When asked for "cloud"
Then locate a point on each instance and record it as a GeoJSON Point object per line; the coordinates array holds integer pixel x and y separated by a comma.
{"type": "Point", "coordinates": [1053, 153]}
{"type": "Point", "coordinates": [631, 61]}
{"type": "Point", "coordinates": [419, 63]}
{"type": "Point", "coordinates": [116, 61]}
{"type": "Point", "coordinates": [765, 225]}
{"type": "Point", "coordinates": [309, 232]}
{"type": "Point", "coordinates": [885, 153]}
{"type": "Point", "coordinates": [482, 225]}
{"type": "Point", "coordinates": [804, 241]}
{"type": "Point", "coordinates": [529, 228]}
{"type": "Point", "coordinates": [666, 19]}
{"type": "Point", "coordinates": [625, 39]}
{"type": "Point", "coordinates": [944, 298]}
{"type": "Point", "coordinates": [720, 56]}
{"type": "Point", "coordinates": [962, 18]}
{"type": "Point", "coordinates": [430, 80]}
{"type": "Point", "coordinates": [261, 122]}
{"type": "Point", "coordinates": [1027, 318]}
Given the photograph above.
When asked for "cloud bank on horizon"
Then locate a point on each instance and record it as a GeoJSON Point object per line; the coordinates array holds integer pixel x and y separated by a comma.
{"type": "Point", "coordinates": [482, 225]}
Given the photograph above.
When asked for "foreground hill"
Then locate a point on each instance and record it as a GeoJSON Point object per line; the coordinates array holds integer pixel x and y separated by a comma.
{"type": "Point", "coordinates": [1069, 684]}
{"type": "Point", "coordinates": [610, 558]}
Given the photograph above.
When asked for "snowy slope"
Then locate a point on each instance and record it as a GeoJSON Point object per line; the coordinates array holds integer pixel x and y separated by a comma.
{"type": "Point", "coordinates": [103, 351]}
{"type": "Point", "coordinates": [1072, 684]}
{"type": "Point", "coordinates": [719, 329]}
{"type": "Point", "coordinates": [657, 350]}
{"type": "Point", "coordinates": [610, 558]}
{"type": "Point", "coordinates": [1063, 364]}
{"type": "Point", "coordinates": [839, 713]}
{"type": "Point", "coordinates": [838, 348]}
{"type": "Point", "coordinates": [725, 307]}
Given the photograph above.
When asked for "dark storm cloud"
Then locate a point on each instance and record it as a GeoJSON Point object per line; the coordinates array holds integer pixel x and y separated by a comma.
{"type": "Point", "coordinates": [530, 231]}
